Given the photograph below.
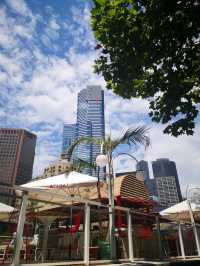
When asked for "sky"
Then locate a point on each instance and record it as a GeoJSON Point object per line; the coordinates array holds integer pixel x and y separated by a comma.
{"type": "Point", "coordinates": [47, 53]}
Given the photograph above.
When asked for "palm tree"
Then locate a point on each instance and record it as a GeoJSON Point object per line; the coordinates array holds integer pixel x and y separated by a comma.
{"type": "Point", "coordinates": [132, 137]}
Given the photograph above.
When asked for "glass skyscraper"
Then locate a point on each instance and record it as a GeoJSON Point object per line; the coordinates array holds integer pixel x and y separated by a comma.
{"type": "Point", "coordinates": [143, 166]}
{"type": "Point", "coordinates": [69, 135]}
{"type": "Point", "coordinates": [90, 121]}
{"type": "Point", "coordinates": [150, 183]}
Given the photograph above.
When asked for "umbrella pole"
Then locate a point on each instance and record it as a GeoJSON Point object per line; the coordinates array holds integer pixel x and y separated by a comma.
{"type": "Point", "coordinates": [87, 235]}
{"type": "Point", "coordinates": [20, 229]}
{"type": "Point", "coordinates": [181, 240]}
{"type": "Point", "coordinates": [45, 238]}
{"type": "Point", "coordinates": [130, 237]}
{"type": "Point", "coordinates": [159, 238]}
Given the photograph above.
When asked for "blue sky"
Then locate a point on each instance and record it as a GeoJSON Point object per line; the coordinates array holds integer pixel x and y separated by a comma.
{"type": "Point", "coordinates": [47, 53]}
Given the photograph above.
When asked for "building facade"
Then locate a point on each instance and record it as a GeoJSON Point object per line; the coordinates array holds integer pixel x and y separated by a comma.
{"type": "Point", "coordinates": [167, 191]}
{"type": "Point", "coordinates": [17, 151]}
{"type": "Point", "coordinates": [167, 182]}
{"type": "Point", "coordinates": [90, 122]}
{"type": "Point", "coordinates": [69, 135]}
{"type": "Point", "coordinates": [57, 168]}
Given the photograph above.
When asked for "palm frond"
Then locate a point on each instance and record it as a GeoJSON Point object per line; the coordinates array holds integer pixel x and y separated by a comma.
{"type": "Point", "coordinates": [135, 136]}
{"type": "Point", "coordinates": [82, 140]}
{"type": "Point", "coordinates": [80, 164]}
{"type": "Point", "coordinates": [126, 154]}
{"type": "Point", "coordinates": [115, 143]}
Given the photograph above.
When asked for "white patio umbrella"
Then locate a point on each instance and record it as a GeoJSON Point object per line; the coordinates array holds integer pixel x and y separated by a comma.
{"type": "Point", "coordinates": [180, 211]}
{"type": "Point", "coordinates": [5, 211]}
{"type": "Point", "coordinates": [68, 179]}
{"type": "Point", "coordinates": [65, 184]}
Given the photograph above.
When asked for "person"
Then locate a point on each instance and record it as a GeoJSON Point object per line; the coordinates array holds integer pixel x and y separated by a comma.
{"type": "Point", "coordinates": [13, 240]}
{"type": "Point", "coordinates": [35, 240]}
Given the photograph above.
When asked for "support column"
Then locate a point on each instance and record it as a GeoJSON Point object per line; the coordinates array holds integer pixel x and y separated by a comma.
{"type": "Point", "coordinates": [111, 219]}
{"type": "Point", "coordinates": [159, 237]}
{"type": "Point", "coordinates": [130, 237]}
{"type": "Point", "coordinates": [181, 240]}
{"type": "Point", "coordinates": [45, 238]}
{"type": "Point", "coordinates": [20, 229]}
{"type": "Point", "coordinates": [87, 235]}
{"type": "Point", "coordinates": [194, 227]}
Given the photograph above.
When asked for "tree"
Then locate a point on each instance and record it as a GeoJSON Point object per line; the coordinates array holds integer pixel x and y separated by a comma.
{"type": "Point", "coordinates": [151, 50]}
{"type": "Point", "coordinates": [133, 136]}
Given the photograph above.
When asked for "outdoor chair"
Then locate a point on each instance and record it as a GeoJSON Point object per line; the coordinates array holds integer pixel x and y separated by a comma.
{"type": "Point", "coordinates": [6, 252]}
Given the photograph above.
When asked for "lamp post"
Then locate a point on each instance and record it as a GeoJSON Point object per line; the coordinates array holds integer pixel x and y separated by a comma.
{"type": "Point", "coordinates": [102, 160]}
{"type": "Point", "coordinates": [192, 219]}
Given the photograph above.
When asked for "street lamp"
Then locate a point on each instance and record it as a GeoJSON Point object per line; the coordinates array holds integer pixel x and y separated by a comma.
{"type": "Point", "coordinates": [192, 218]}
{"type": "Point", "coordinates": [102, 160]}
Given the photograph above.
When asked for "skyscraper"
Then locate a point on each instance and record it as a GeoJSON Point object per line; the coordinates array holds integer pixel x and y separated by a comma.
{"type": "Point", "coordinates": [143, 166]}
{"type": "Point", "coordinates": [69, 135]}
{"type": "Point", "coordinates": [90, 121]}
{"type": "Point", "coordinates": [167, 182]}
{"type": "Point", "coordinates": [17, 151]}
{"type": "Point", "coordinates": [150, 183]}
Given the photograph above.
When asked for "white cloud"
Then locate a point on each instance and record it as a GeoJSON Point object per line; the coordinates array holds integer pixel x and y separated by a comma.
{"type": "Point", "coordinates": [22, 31]}
{"type": "Point", "coordinates": [82, 35]}
{"type": "Point", "coordinates": [19, 7]}
{"type": "Point", "coordinates": [53, 24]}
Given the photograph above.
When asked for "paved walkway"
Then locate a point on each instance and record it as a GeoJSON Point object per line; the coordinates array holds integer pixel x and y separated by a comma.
{"type": "Point", "coordinates": [139, 263]}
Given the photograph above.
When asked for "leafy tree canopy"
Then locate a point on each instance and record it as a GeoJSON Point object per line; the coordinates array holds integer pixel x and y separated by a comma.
{"type": "Point", "coordinates": [151, 49]}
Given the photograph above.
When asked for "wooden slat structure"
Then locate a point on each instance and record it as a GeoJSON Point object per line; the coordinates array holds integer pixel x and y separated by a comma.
{"type": "Point", "coordinates": [130, 186]}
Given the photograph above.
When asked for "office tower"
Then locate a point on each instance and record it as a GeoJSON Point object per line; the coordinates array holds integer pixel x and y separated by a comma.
{"type": "Point", "coordinates": [90, 121]}
{"type": "Point", "coordinates": [152, 188]}
{"type": "Point", "coordinates": [69, 135]}
{"type": "Point", "coordinates": [150, 183]}
{"type": "Point", "coordinates": [17, 150]}
{"type": "Point", "coordinates": [143, 166]}
{"type": "Point", "coordinates": [167, 182]}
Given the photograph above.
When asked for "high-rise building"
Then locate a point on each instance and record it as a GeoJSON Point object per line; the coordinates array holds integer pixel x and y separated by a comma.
{"type": "Point", "coordinates": [143, 166]}
{"type": "Point", "coordinates": [150, 183]}
{"type": "Point", "coordinates": [167, 182]}
{"type": "Point", "coordinates": [17, 151]}
{"type": "Point", "coordinates": [69, 135]}
{"type": "Point", "coordinates": [90, 121]}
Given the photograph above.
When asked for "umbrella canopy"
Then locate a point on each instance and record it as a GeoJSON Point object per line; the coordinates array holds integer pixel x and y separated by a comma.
{"type": "Point", "coordinates": [180, 211]}
{"type": "Point", "coordinates": [5, 211]}
{"type": "Point", "coordinates": [68, 179]}
{"type": "Point", "coordinates": [52, 189]}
